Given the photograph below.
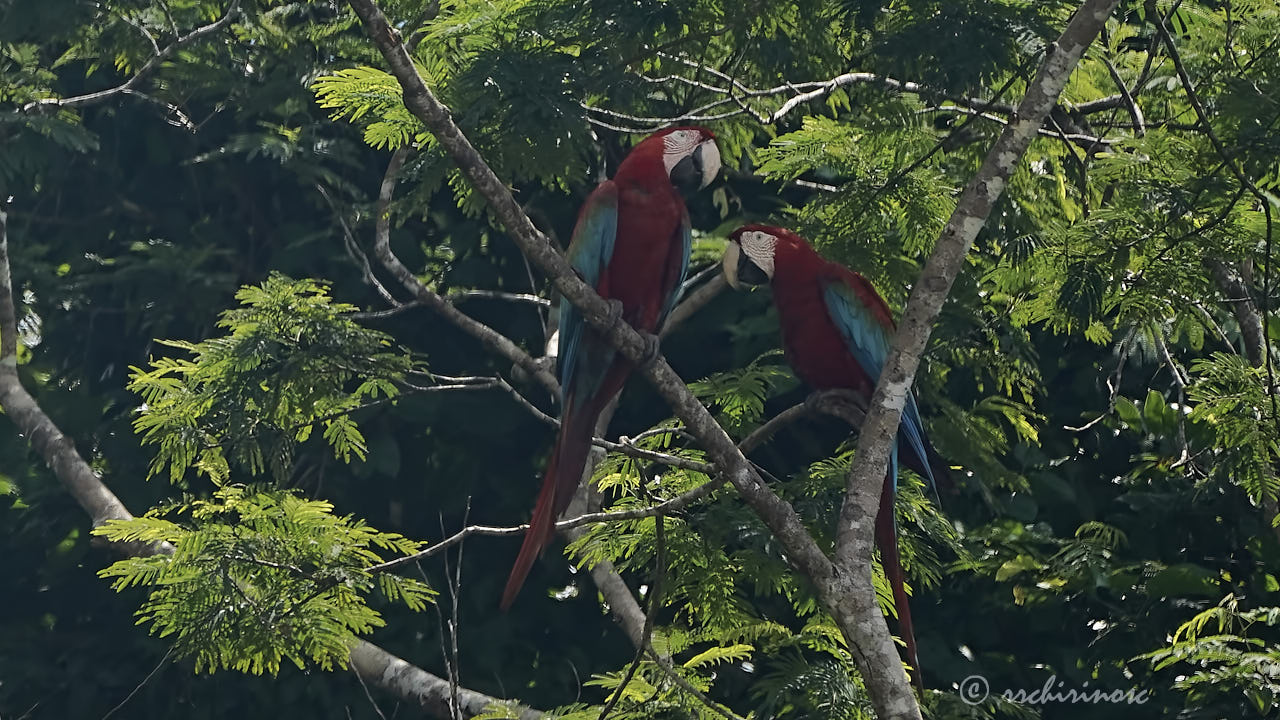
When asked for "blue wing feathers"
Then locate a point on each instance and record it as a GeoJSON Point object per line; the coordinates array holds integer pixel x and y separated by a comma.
{"type": "Point", "coordinates": [589, 253]}
{"type": "Point", "coordinates": [686, 232]}
{"type": "Point", "coordinates": [913, 430]}
{"type": "Point", "coordinates": [868, 341]}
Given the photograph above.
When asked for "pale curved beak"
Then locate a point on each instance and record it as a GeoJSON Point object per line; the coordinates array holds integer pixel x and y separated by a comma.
{"type": "Point", "coordinates": [730, 264]}
{"type": "Point", "coordinates": [710, 162]}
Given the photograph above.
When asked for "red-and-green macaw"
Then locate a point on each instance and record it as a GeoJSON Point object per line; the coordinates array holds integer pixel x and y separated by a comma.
{"type": "Point", "coordinates": [835, 333]}
{"type": "Point", "coordinates": [631, 244]}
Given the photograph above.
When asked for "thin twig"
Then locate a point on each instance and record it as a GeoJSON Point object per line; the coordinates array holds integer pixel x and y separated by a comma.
{"type": "Point", "coordinates": [1180, 381]}
{"type": "Point", "coordinates": [383, 314]}
{"type": "Point", "coordinates": [1130, 104]}
{"type": "Point", "coordinates": [499, 295]}
{"type": "Point", "coordinates": [355, 252]}
{"type": "Point", "coordinates": [233, 10]}
{"type": "Point", "coordinates": [489, 337]}
{"type": "Point", "coordinates": [367, 694]}
{"type": "Point", "coordinates": [140, 685]}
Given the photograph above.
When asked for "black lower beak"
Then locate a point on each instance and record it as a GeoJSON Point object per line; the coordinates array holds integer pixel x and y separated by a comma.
{"type": "Point", "coordinates": [749, 273]}
{"type": "Point", "coordinates": [686, 176]}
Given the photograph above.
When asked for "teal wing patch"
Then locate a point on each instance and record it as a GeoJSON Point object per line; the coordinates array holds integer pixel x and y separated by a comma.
{"type": "Point", "coordinates": [868, 341]}
{"type": "Point", "coordinates": [590, 251]}
{"type": "Point", "coordinates": [677, 291]}
{"type": "Point", "coordinates": [866, 338]}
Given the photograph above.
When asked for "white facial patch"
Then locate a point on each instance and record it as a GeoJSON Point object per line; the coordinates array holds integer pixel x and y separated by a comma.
{"type": "Point", "coordinates": [759, 249]}
{"type": "Point", "coordinates": [677, 145]}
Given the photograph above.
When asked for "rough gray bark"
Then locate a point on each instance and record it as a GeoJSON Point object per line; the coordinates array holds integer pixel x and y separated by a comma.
{"type": "Point", "coordinates": [379, 667]}
{"type": "Point", "coordinates": [1245, 310]}
{"type": "Point", "coordinates": [374, 665]}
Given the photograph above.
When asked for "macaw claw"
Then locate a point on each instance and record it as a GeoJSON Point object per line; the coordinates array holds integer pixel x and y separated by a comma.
{"type": "Point", "coordinates": [615, 311]}
{"type": "Point", "coordinates": [652, 348]}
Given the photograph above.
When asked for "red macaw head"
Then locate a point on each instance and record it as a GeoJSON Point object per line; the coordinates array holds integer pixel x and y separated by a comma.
{"type": "Point", "coordinates": [753, 250]}
{"type": "Point", "coordinates": [689, 156]}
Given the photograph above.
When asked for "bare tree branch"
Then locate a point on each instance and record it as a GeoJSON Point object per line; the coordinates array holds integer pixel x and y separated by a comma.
{"type": "Point", "coordinates": [1240, 300]}
{"type": "Point", "coordinates": [500, 295]}
{"type": "Point", "coordinates": [1130, 104]}
{"type": "Point", "coordinates": [808, 91]}
{"type": "Point", "coordinates": [175, 117]}
{"type": "Point", "coordinates": [420, 687]}
{"type": "Point", "coordinates": [356, 253]}
{"type": "Point", "coordinates": [491, 338]}
{"type": "Point", "coordinates": [1088, 142]}
{"type": "Point", "coordinates": [93, 98]}
{"type": "Point", "coordinates": [694, 302]}
{"type": "Point", "coordinates": [854, 539]}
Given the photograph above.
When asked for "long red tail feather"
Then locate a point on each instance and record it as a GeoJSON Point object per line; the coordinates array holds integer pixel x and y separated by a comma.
{"type": "Point", "coordinates": [887, 539]}
{"type": "Point", "coordinates": [564, 472]}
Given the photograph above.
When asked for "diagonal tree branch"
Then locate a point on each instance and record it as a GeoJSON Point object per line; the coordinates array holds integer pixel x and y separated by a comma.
{"type": "Point", "coordinates": [371, 663]}
{"type": "Point", "coordinates": [1130, 104]}
{"type": "Point", "coordinates": [879, 428]}
{"type": "Point", "coordinates": [415, 685]}
{"type": "Point", "coordinates": [1240, 300]}
{"type": "Point", "coordinates": [850, 598]}
{"type": "Point", "coordinates": [492, 339]}
{"type": "Point", "coordinates": [693, 302]}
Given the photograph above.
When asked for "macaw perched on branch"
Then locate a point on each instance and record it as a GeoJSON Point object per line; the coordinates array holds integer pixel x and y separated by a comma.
{"type": "Point", "coordinates": [835, 333]}
{"type": "Point", "coordinates": [632, 245]}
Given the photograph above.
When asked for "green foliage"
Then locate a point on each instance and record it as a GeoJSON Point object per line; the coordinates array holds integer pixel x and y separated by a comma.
{"type": "Point", "coordinates": [1229, 670]}
{"type": "Point", "coordinates": [364, 91]}
{"type": "Point", "coordinates": [256, 577]}
{"type": "Point", "coordinates": [290, 361]}
{"type": "Point", "coordinates": [1089, 380]}
{"type": "Point", "coordinates": [738, 396]}
{"type": "Point", "coordinates": [1231, 400]}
